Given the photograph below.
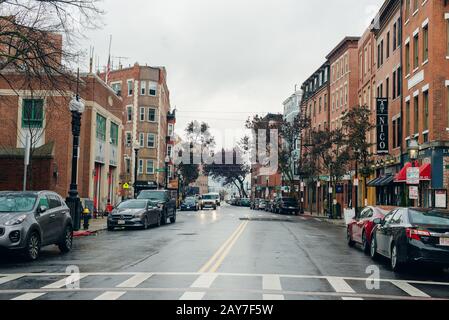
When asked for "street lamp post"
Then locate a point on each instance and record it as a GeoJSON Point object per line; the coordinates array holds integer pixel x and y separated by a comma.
{"type": "Point", "coordinates": [136, 155]}
{"type": "Point", "coordinates": [73, 201]}
{"type": "Point", "coordinates": [167, 162]}
{"type": "Point", "coordinates": [413, 151]}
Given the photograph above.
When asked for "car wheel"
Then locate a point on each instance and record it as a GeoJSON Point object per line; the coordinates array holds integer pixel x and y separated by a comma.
{"type": "Point", "coordinates": [159, 220]}
{"type": "Point", "coordinates": [365, 243]}
{"type": "Point", "coordinates": [33, 246]}
{"type": "Point", "coordinates": [110, 228]}
{"type": "Point", "coordinates": [396, 265]}
{"type": "Point", "coordinates": [373, 248]}
{"type": "Point", "coordinates": [67, 241]}
{"type": "Point", "coordinates": [351, 243]}
{"type": "Point", "coordinates": [145, 223]}
{"type": "Point", "coordinates": [173, 219]}
{"type": "Point", "coordinates": [164, 218]}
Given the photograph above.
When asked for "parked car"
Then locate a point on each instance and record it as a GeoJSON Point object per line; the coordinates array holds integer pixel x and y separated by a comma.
{"type": "Point", "coordinates": [245, 202]}
{"type": "Point", "coordinates": [255, 204]}
{"type": "Point", "coordinates": [286, 205]}
{"type": "Point", "coordinates": [269, 205]}
{"type": "Point", "coordinates": [262, 204]}
{"type": "Point", "coordinates": [360, 229]}
{"type": "Point", "coordinates": [208, 201]}
{"type": "Point", "coordinates": [166, 201]}
{"type": "Point", "coordinates": [32, 220]}
{"type": "Point", "coordinates": [190, 203]}
{"type": "Point", "coordinates": [135, 213]}
{"type": "Point", "coordinates": [216, 197]}
{"type": "Point", "coordinates": [408, 235]}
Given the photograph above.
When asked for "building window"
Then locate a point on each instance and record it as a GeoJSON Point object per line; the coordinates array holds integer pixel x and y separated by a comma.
{"type": "Point", "coordinates": [151, 114]}
{"type": "Point", "coordinates": [129, 113]}
{"type": "Point", "coordinates": [142, 139]}
{"type": "Point", "coordinates": [151, 140]}
{"type": "Point", "coordinates": [32, 113]}
{"type": "Point", "coordinates": [143, 88]}
{"type": "Point", "coordinates": [170, 130]}
{"type": "Point", "coordinates": [395, 32]}
{"type": "Point", "coordinates": [114, 134]}
{"type": "Point", "coordinates": [117, 88]}
{"type": "Point", "coordinates": [407, 118]}
{"type": "Point", "coordinates": [387, 88]}
{"type": "Point", "coordinates": [150, 167]}
{"type": "Point", "coordinates": [142, 114]}
{"type": "Point", "coordinates": [170, 151]}
{"type": "Point", "coordinates": [394, 85]}
{"type": "Point", "coordinates": [415, 5]}
{"type": "Point", "coordinates": [415, 51]}
{"type": "Point", "coordinates": [447, 37]}
{"type": "Point", "coordinates": [388, 45]}
{"type": "Point", "coordinates": [140, 166]}
{"type": "Point", "coordinates": [128, 165]}
{"type": "Point", "coordinates": [407, 59]}
{"type": "Point", "coordinates": [130, 87]}
{"type": "Point", "coordinates": [407, 8]}
{"type": "Point", "coordinates": [101, 127]}
{"type": "Point", "coordinates": [416, 114]}
{"type": "Point", "coordinates": [152, 88]}
{"type": "Point", "coordinates": [426, 110]}
{"type": "Point", "coordinates": [128, 139]}
{"type": "Point", "coordinates": [399, 82]}
{"type": "Point", "coordinates": [394, 133]}
{"type": "Point", "coordinates": [425, 43]}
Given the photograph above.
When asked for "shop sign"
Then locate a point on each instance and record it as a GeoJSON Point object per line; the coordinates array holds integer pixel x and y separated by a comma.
{"type": "Point", "coordinates": [382, 125]}
{"type": "Point", "coordinates": [413, 193]}
{"type": "Point", "coordinates": [441, 199]}
{"type": "Point", "coordinates": [413, 175]}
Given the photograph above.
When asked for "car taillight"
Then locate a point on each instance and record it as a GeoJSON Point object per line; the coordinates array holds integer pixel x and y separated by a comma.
{"type": "Point", "coordinates": [416, 234]}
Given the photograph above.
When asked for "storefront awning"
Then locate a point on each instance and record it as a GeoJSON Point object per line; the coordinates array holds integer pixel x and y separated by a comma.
{"type": "Point", "coordinates": [385, 181]}
{"type": "Point", "coordinates": [425, 172]}
{"type": "Point", "coordinates": [373, 183]}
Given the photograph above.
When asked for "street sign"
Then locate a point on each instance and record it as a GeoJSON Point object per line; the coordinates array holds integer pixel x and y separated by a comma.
{"type": "Point", "coordinates": [413, 193]}
{"type": "Point", "coordinates": [382, 125]}
{"type": "Point", "coordinates": [413, 175]}
{"type": "Point", "coordinates": [160, 170]}
{"type": "Point", "coordinates": [126, 186]}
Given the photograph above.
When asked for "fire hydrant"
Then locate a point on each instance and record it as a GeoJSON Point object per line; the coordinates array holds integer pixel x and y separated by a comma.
{"type": "Point", "coordinates": [86, 217]}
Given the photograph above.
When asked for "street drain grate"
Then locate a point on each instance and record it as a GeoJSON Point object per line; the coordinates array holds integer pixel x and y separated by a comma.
{"type": "Point", "coordinates": [266, 219]}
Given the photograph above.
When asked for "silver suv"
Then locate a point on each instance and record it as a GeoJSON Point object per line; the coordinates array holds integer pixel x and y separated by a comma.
{"type": "Point", "coordinates": [32, 220]}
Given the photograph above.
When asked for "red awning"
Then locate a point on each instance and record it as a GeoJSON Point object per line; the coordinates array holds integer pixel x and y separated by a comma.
{"type": "Point", "coordinates": [425, 172]}
{"type": "Point", "coordinates": [402, 175]}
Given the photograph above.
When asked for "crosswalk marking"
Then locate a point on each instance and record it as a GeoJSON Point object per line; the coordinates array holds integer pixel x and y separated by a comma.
{"type": "Point", "coordinates": [340, 285]}
{"type": "Point", "coordinates": [409, 289]}
{"type": "Point", "coordinates": [28, 296]}
{"type": "Point", "coordinates": [110, 295]}
{"type": "Point", "coordinates": [10, 278]}
{"type": "Point", "coordinates": [63, 282]}
{"type": "Point", "coordinates": [271, 283]}
{"type": "Point", "coordinates": [135, 281]}
{"type": "Point", "coordinates": [193, 295]}
{"type": "Point", "coordinates": [204, 281]}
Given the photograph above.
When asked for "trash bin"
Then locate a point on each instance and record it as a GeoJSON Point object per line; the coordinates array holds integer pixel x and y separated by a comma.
{"type": "Point", "coordinates": [338, 210]}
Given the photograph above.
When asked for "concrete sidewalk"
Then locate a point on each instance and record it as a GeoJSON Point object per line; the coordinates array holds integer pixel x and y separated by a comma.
{"type": "Point", "coordinates": [95, 225]}
{"type": "Point", "coordinates": [337, 222]}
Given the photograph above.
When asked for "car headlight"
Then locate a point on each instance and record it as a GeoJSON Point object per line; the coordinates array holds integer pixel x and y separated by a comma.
{"type": "Point", "coordinates": [137, 215]}
{"type": "Point", "coordinates": [16, 221]}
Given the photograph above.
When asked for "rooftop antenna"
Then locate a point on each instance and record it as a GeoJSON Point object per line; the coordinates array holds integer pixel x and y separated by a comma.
{"type": "Point", "coordinates": [120, 66]}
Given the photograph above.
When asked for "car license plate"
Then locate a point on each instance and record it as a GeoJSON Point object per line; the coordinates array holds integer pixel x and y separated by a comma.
{"type": "Point", "coordinates": [121, 222]}
{"type": "Point", "coordinates": [444, 242]}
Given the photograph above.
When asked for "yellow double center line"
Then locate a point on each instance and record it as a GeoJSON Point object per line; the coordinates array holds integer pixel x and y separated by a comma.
{"type": "Point", "coordinates": [214, 263]}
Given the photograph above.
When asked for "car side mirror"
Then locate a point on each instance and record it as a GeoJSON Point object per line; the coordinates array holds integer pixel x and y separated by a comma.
{"type": "Point", "coordinates": [41, 209]}
{"type": "Point", "coordinates": [378, 221]}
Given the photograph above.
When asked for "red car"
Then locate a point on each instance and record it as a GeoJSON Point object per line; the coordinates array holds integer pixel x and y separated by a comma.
{"type": "Point", "coordinates": [360, 230]}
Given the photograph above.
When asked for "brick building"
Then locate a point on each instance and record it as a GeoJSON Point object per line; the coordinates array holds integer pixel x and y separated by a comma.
{"type": "Point", "coordinates": [425, 58]}
{"type": "Point", "coordinates": [149, 121]}
{"type": "Point", "coordinates": [44, 115]}
{"type": "Point", "coordinates": [315, 104]}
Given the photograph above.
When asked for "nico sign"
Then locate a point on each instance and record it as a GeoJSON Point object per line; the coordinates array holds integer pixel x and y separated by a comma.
{"type": "Point", "coordinates": [382, 125]}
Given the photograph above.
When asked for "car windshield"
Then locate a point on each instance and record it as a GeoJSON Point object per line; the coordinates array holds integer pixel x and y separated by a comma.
{"type": "Point", "coordinates": [190, 200]}
{"type": "Point", "coordinates": [133, 204]}
{"type": "Point", "coordinates": [289, 200]}
{"type": "Point", "coordinates": [152, 195]}
{"type": "Point", "coordinates": [429, 218]}
{"type": "Point", "coordinates": [208, 197]}
{"type": "Point", "coordinates": [17, 203]}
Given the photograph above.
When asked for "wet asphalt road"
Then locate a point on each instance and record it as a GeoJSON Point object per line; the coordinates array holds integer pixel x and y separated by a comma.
{"type": "Point", "coordinates": [230, 253]}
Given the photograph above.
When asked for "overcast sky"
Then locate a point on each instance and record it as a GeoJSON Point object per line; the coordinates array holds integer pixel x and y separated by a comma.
{"type": "Point", "coordinates": [228, 59]}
